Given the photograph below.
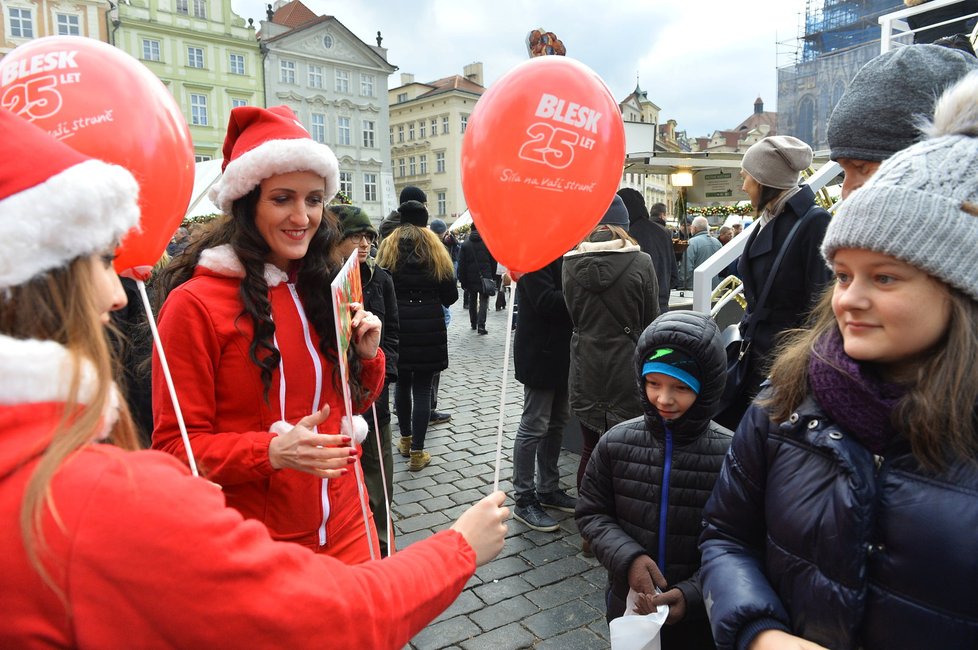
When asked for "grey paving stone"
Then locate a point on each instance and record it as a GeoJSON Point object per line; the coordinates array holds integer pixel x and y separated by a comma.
{"type": "Point", "coordinates": [580, 639]}
{"type": "Point", "coordinates": [466, 602]}
{"type": "Point", "coordinates": [440, 490]}
{"type": "Point", "coordinates": [600, 627]}
{"type": "Point", "coordinates": [405, 510]}
{"type": "Point", "coordinates": [557, 620]}
{"type": "Point", "coordinates": [419, 522]}
{"type": "Point", "coordinates": [502, 568]}
{"type": "Point", "coordinates": [562, 592]}
{"type": "Point", "coordinates": [471, 482]}
{"type": "Point", "coordinates": [556, 550]}
{"type": "Point", "coordinates": [509, 637]}
{"type": "Point", "coordinates": [412, 496]}
{"type": "Point", "coordinates": [445, 633]}
{"type": "Point", "coordinates": [493, 591]}
{"type": "Point", "coordinates": [554, 571]}
{"type": "Point", "coordinates": [416, 483]}
{"type": "Point", "coordinates": [504, 612]}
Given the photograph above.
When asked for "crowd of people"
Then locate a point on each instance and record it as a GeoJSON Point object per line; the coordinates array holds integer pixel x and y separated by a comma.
{"type": "Point", "coordinates": [830, 503]}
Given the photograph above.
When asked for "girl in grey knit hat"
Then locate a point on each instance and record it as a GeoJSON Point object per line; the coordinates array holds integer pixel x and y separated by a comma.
{"type": "Point", "coordinates": [846, 511]}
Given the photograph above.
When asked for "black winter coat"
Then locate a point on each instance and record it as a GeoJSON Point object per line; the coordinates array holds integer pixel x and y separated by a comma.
{"type": "Point", "coordinates": [423, 335]}
{"type": "Point", "coordinates": [810, 532]}
{"type": "Point", "coordinates": [474, 263]}
{"type": "Point", "coordinates": [656, 242]}
{"type": "Point", "coordinates": [611, 296]}
{"type": "Point", "coordinates": [620, 503]}
{"type": "Point", "coordinates": [541, 351]}
{"type": "Point", "coordinates": [379, 299]}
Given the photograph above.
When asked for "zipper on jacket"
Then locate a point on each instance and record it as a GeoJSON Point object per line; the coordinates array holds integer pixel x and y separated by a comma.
{"type": "Point", "coordinates": [664, 502]}
{"type": "Point", "coordinates": [318, 366]}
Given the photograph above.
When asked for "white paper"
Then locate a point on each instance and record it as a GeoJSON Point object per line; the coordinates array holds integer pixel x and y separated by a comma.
{"type": "Point", "coordinates": [635, 631]}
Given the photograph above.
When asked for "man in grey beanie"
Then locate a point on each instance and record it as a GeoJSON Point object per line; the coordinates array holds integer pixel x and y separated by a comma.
{"type": "Point", "coordinates": [881, 110]}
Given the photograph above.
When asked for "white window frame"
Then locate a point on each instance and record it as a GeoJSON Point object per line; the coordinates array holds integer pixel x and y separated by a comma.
{"type": "Point", "coordinates": [192, 51]}
{"type": "Point", "coordinates": [369, 187]}
{"type": "Point", "coordinates": [401, 167]}
{"type": "Point", "coordinates": [65, 28]}
{"type": "Point", "coordinates": [236, 63]}
{"type": "Point", "coordinates": [202, 157]}
{"type": "Point", "coordinates": [434, 126]}
{"type": "Point", "coordinates": [400, 133]}
{"type": "Point", "coordinates": [367, 85]}
{"type": "Point", "coordinates": [149, 52]}
{"type": "Point", "coordinates": [198, 110]}
{"type": "Point", "coordinates": [317, 127]}
{"type": "Point", "coordinates": [315, 76]}
{"type": "Point", "coordinates": [24, 22]}
{"type": "Point", "coordinates": [442, 204]}
{"type": "Point", "coordinates": [444, 125]}
{"type": "Point", "coordinates": [344, 131]}
{"type": "Point", "coordinates": [237, 102]}
{"type": "Point", "coordinates": [346, 184]}
{"type": "Point", "coordinates": [183, 7]}
{"type": "Point", "coordinates": [286, 72]}
{"type": "Point", "coordinates": [343, 81]}
{"type": "Point", "coordinates": [200, 8]}
{"type": "Point", "coordinates": [411, 131]}
{"type": "Point", "coordinates": [464, 122]}
{"type": "Point", "coordinates": [423, 162]}
{"type": "Point", "coordinates": [422, 129]}
{"type": "Point", "coordinates": [412, 166]}
{"type": "Point", "coordinates": [369, 129]}
{"type": "Point", "coordinates": [439, 162]}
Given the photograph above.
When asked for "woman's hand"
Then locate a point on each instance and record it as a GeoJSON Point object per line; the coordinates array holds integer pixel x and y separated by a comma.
{"type": "Point", "coordinates": [778, 640]}
{"type": "Point", "coordinates": [301, 449]}
{"type": "Point", "coordinates": [366, 331]}
{"type": "Point", "coordinates": [483, 527]}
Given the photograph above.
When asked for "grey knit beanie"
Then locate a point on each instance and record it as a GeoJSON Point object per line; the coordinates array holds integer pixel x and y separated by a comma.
{"type": "Point", "coordinates": [776, 161]}
{"type": "Point", "coordinates": [921, 207]}
{"type": "Point", "coordinates": [880, 112]}
{"type": "Point", "coordinates": [616, 215]}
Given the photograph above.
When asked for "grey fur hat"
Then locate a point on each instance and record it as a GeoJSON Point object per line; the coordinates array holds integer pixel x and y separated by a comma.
{"type": "Point", "coordinates": [881, 111]}
{"type": "Point", "coordinates": [921, 207]}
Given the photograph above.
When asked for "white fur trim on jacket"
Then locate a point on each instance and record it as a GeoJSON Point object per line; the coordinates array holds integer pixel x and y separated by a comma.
{"type": "Point", "coordinates": [273, 157]}
{"type": "Point", "coordinates": [80, 211]}
{"type": "Point", "coordinates": [222, 259]}
{"type": "Point", "coordinates": [32, 372]}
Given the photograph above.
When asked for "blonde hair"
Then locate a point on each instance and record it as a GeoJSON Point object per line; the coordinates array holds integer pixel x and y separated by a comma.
{"type": "Point", "coordinates": [605, 232]}
{"type": "Point", "coordinates": [61, 306]}
{"type": "Point", "coordinates": [937, 413]}
{"type": "Point", "coordinates": [423, 243]}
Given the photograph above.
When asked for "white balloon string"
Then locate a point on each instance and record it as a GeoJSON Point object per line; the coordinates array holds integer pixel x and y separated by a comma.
{"type": "Point", "coordinates": [364, 507]}
{"type": "Point", "coordinates": [169, 379]}
{"type": "Point", "coordinates": [502, 392]}
{"type": "Point", "coordinates": [383, 481]}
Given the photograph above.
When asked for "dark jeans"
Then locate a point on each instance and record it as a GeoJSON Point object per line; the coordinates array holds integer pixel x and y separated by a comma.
{"type": "Point", "coordinates": [413, 390]}
{"type": "Point", "coordinates": [434, 390]}
{"type": "Point", "coordinates": [589, 439]}
{"type": "Point", "coordinates": [538, 438]}
{"type": "Point", "coordinates": [371, 460]}
{"type": "Point", "coordinates": [478, 306]}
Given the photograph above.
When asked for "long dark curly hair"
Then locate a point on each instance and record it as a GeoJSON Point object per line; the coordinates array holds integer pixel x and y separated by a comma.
{"type": "Point", "coordinates": [314, 273]}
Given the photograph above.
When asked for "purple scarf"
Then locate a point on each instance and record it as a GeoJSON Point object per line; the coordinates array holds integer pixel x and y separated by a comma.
{"type": "Point", "coordinates": [858, 401]}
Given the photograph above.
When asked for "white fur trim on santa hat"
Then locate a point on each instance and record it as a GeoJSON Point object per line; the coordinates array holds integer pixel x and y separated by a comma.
{"type": "Point", "coordinates": [270, 158]}
{"type": "Point", "coordinates": [222, 259]}
{"type": "Point", "coordinates": [79, 211]}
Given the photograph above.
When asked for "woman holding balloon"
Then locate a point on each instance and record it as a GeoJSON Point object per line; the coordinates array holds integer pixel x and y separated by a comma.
{"type": "Point", "coordinates": [95, 528]}
{"type": "Point", "coordinates": [247, 325]}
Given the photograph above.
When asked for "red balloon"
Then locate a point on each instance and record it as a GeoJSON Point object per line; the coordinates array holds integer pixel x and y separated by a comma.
{"type": "Point", "coordinates": [541, 160]}
{"type": "Point", "coordinates": [106, 104]}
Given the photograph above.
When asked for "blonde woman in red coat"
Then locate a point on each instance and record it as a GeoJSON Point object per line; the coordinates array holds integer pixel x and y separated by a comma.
{"type": "Point", "coordinates": [110, 548]}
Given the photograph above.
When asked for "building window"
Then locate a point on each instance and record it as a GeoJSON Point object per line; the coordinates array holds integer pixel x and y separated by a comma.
{"type": "Point", "coordinates": [200, 8]}
{"type": "Point", "coordinates": [370, 187]}
{"type": "Point", "coordinates": [400, 133]}
{"type": "Point", "coordinates": [444, 125]}
{"type": "Point", "coordinates": [198, 110]}
{"type": "Point", "coordinates": [21, 23]}
{"type": "Point", "coordinates": [343, 131]}
{"type": "Point", "coordinates": [400, 167]}
{"type": "Point", "coordinates": [183, 7]}
{"type": "Point", "coordinates": [315, 76]}
{"type": "Point", "coordinates": [412, 167]}
{"type": "Point", "coordinates": [434, 127]}
{"type": "Point", "coordinates": [342, 81]}
{"type": "Point", "coordinates": [201, 157]}
{"type": "Point", "coordinates": [236, 63]}
{"type": "Point", "coordinates": [327, 41]}
{"type": "Point", "coordinates": [195, 57]}
{"type": "Point", "coordinates": [237, 103]}
{"type": "Point", "coordinates": [401, 98]}
{"type": "Point", "coordinates": [346, 184]}
{"type": "Point", "coordinates": [392, 134]}
{"type": "Point", "coordinates": [411, 131]}
{"type": "Point", "coordinates": [286, 72]}
{"type": "Point", "coordinates": [368, 134]}
{"type": "Point", "coordinates": [422, 129]}
{"type": "Point", "coordinates": [318, 130]}
{"type": "Point", "coordinates": [424, 164]}
{"type": "Point", "coordinates": [440, 162]}
{"type": "Point", "coordinates": [367, 85]}
{"type": "Point", "coordinates": [465, 122]}
{"type": "Point", "coordinates": [442, 204]}
{"type": "Point", "coordinates": [151, 50]}
{"type": "Point", "coordinates": [68, 25]}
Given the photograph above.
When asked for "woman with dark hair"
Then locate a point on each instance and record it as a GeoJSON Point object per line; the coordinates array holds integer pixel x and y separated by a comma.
{"type": "Point", "coordinates": [106, 547]}
{"type": "Point", "coordinates": [247, 324]}
{"type": "Point", "coordinates": [476, 263]}
{"type": "Point", "coordinates": [424, 281]}
{"type": "Point", "coordinates": [770, 170]}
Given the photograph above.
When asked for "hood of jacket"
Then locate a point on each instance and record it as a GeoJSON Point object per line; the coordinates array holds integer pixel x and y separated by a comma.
{"type": "Point", "coordinates": [698, 336]}
{"type": "Point", "coordinates": [598, 265]}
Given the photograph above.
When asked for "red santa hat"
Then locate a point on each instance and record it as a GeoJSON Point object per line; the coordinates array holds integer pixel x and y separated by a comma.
{"type": "Point", "coordinates": [263, 142]}
{"type": "Point", "coordinates": [56, 204]}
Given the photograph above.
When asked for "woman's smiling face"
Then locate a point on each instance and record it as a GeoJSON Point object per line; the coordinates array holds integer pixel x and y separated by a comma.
{"type": "Point", "coordinates": [289, 211]}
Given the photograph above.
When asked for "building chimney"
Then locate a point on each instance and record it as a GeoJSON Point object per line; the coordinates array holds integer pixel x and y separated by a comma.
{"type": "Point", "coordinates": [406, 78]}
{"type": "Point", "coordinates": [758, 105]}
{"type": "Point", "coordinates": [473, 72]}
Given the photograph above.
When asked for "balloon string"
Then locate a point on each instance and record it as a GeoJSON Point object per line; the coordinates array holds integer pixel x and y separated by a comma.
{"type": "Point", "coordinates": [502, 392]}
{"type": "Point", "coordinates": [364, 508]}
{"type": "Point", "coordinates": [383, 482]}
{"type": "Point", "coordinates": [169, 379]}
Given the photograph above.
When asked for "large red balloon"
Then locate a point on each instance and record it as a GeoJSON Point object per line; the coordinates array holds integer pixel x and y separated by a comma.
{"type": "Point", "coordinates": [106, 104]}
{"type": "Point", "coordinates": [541, 160]}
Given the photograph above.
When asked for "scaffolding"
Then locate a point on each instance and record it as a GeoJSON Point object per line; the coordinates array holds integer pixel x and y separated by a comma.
{"type": "Point", "coordinates": [834, 25]}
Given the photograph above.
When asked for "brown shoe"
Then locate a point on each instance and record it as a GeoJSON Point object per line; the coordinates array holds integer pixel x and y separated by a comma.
{"type": "Point", "coordinates": [419, 460]}
{"type": "Point", "coordinates": [404, 446]}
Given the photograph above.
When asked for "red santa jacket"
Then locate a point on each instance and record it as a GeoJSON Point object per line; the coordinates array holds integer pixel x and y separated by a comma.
{"type": "Point", "coordinates": [207, 341]}
{"type": "Point", "coordinates": [145, 555]}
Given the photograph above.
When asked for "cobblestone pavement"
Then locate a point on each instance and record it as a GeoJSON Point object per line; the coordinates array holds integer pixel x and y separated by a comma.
{"type": "Point", "coordinates": [540, 592]}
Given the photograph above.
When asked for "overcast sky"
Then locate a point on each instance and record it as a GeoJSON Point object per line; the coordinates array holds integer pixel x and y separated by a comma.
{"type": "Point", "coordinates": [703, 62]}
